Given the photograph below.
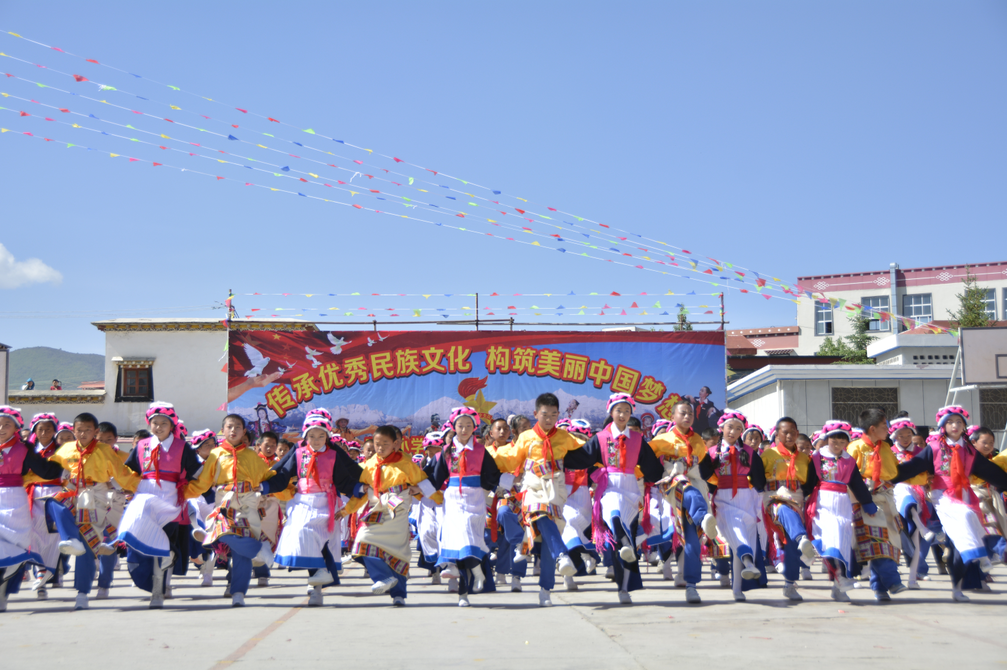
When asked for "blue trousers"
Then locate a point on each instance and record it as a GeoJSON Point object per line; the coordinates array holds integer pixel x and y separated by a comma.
{"type": "Point", "coordinates": [794, 529]}
{"type": "Point", "coordinates": [243, 549]}
{"type": "Point", "coordinates": [694, 506]}
{"type": "Point", "coordinates": [85, 565]}
{"type": "Point", "coordinates": [12, 584]}
{"type": "Point", "coordinates": [106, 568]}
{"type": "Point", "coordinates": [627, 575]}
{"type": "Point", "coordinates": [884, 574]}
{"type": "Point", "coordinates": [510, 535]}
{"type": "Point", "coordinates": [378, 570]}
{"type": "Point", "coordinates": [552, 548]}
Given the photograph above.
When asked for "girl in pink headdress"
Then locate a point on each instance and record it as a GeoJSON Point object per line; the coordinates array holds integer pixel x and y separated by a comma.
{"type": "Point", "coordinates": [577, 510]}
{"type": "Point", "coordinates": [157, 514]}
{"type": "Point", "coordinates": [469, 472]}
{"type": "Point", "coordinates": [951, 458]}
{"type": "Point", "coordinates": [44, 543]}
{"type": "Point", "coordinates": [615, 453]}
{"type": "Point", "coordinates": [311, 537]}
{"type": "Point", "coordinates": [912, 502]}
{"type": "Point", "coordinates": [737, 502]}
{"type": "Point", "coordinates": [16, 461]}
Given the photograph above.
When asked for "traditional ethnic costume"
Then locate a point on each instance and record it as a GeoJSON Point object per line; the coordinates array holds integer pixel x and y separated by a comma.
{"type": "Point", "coordinates": [914, 507]}
{"type": "Point", "coordinates": [311, 537]}
{"type": "Point", "coordinates": [16, 461]}
{"type": "Point", "coordinates": [44, 543]}
{"type": "Point", "coordinates": [577, 510]}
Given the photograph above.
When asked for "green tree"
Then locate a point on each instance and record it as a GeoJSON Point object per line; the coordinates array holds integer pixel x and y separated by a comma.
{"type": "Point", "coordinates": [852, 348]}
{"type": "Point", "coordinates": [972, 304]}
{"type": "Point", "coordinates": [683, 320]}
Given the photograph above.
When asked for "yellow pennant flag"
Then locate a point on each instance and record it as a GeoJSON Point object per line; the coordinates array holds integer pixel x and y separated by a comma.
{"type": "Point", "coordinates": [113, 155]}
{"type": "Point", "coordinates": [313, 175]}
{"type": "Point", "coordinates": [3, 130]}
{"type": "Point", "coordinates": [174, 107]}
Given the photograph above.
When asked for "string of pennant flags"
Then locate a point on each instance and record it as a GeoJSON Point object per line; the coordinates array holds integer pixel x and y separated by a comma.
{"type": "Point", "coordinates": [583, 236]}
{"type": "Point", "coordinates": [695, 262]}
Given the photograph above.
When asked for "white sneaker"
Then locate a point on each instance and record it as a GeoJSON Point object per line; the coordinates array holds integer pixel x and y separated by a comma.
{"type": "Point", "coordinates": [843, 584]}
{"type": "Point", "coordinates": [81, 602]}
{"type": "Point", "coordinates": [985, 588]}
{"type": "Point", "coordinates": [452, 585]}
{"type": "Point", "coordinates": [957, 595]}
{"type": "Point", "coordinates": [515, 584]}
{"type": "Point", "coordinates": [104, 549]}
{"type": "Point", "coordinates": [627, 554]}
{"type": "Point", "coordinates": [838, 594]}
{"type": "Point", "coordinates": [985, 564]}
{"type": "Point", "coordinates": [207, 579]}
{"type": "Point", "coordinates": [589, 563]}
{"type": "Point", "coordinates": [501, 579]}
{"type": "Point", "coordinates": [565, 566]}
{"type": "Point", "coordinates": [519, 557]}
{"type": "Point", "coordinates": [610, 572]}
{"type": "Point", "coordinates": [652, 559]}
{"type": "Point", "coordinates": [40, 581]}
{"type": "Point", "coordinates": [263, 582]}
{"type": "Point", "coordinates": [739, 597]}
{"type": "Point", "coordinates": [156, 601]}
{"type": "Point", "coordinates": [749, 571]}
{"type": "Point", "coordinates": [692, 595]}
{"type": "Point", "coordinates": [710, 526]}
{"type": "Point", "coordinates": [668, 570]}
{"type": "Point", "coordinates": [72, 548]}
{"type": "Point", "coordinates": [882, 596]}
{"type": "Point", "coordinates": [450, 571]}
{"type": "Point", "coordinates": [320, 578]}
{"type": "Point", "coordinates": [771, 568]}
{"type": "Point", "coordinates": [435, 578]}
{"type": "Point", "coordinates": [478, 579]}
{"type": "Point", "coordinates": [624, 598]}
{"type": "Point", "coordinates": [725, 581]}
{"type": "Point", "coordinates": [238, 600]}
{"type": "Point", "coordinates": [790, 592]}
{"type": "Point", "coordinates": [398, 601]}
{"type": "Point", "coordinates": [42, 594]}
{"type": "Point", "coordinates": [383, 586]}
{"type": "Point", "coordinates": [198, 534]}
{"type": "Point", "coordinates": [463, 601]}
{"type": "Point", "coordinates": [570, 584]}
{"type": "Point", "coordinates": [914, 586]}
{"type": "Point", "coordinates": [315, 597]}
{"type": "Point", "coordinates": [102, 594]}
{"type": "Point", "coordinates": [544, 598]}
{"type": "Point", "coordinates": [807, 549]}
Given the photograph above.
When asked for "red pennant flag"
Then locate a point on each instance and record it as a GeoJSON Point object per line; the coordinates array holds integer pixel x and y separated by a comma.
{"type": "Point", "coordinates": [304, 180]}
{"type": "Point", "coordinates": [234, 125]}
{"type": "Point", "coordinates": [373, 191]}
{"type": "Point", "coordinates": [165, 148]}
{"type": "Point", "coordinates": [78, 77]}
{"type": "Point", "coordinates": [767, 297]}
{"type": "Point", "coordinates": [622, 313]}
{"type": "Point", "coordinates": [358, 206]}
{"type": "Point", "coordinates": [156, 164]}
{"type": "Point", "coordinates": [493, 294]}
{"type": "Point", "coordinates": [64, 110]}
{"type": "Point", "coordinates": [686, 251]}
{"type": "Point", "coordinates": [708, 271]}
{"type": "Point", "coordinates": [519, 210]}
{"type": "Point", "coordinates": [614, 293]}
{"type": "Point", "coordinates": [224, 369]}
{"type": "Point", "coordinates": [634, 306]}
{"type": "Point", "coordinates": [429, 170]}
{"type": "Point", "coordinates": [243, 111]}
{"type": "Point", "coordinates": [397, 160]}
{"type": "Point", "coordinates": [91, 60]}
{"type": "Point", "coordinates": [25, 114]}
{"type": "Point", "coordinates": [272, 119]}
{"type": "Point", "coordinates": [219, 178]}
{"type": "Point", "coordinates": [551, 209]}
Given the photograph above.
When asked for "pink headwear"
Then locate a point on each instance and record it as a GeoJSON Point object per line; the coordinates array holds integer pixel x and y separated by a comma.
{"type": "Point", "coordinates": [579, 427]}
{"type": "Point", "coordinates": [945, 413]}
{"type": "Point", "coordinates": [754, 428]}
{"type": "Point", "coordinates": [434, 439]}
{"type": "Point", "coordinates": [972, 430]}
{"type": "Point", "coordinates": [563, 424]}
{"type": "Point", "coordinates": [167, 410]}
{"type": "Point", "coordinates": [899, 424]}
{"type": "Point", "coordinates": [730, 414]}
{"type": "Point", "coordinates": [835, 427]}
{"type": "Point", "coordinates": [417, 459]}
{"type": "Point", "coordinates": [64, 425]}
{"type": "Point", "coordinates": [816, 436]}
{"type": "Point", "coordinates": [661, 426]}
{"type": "Point", "coordinates": [856, 434]}
{"type": "Point", "coordinates": [315, 421]}
{"type": "Point", "coordinates": [13, 413]}
{"type": "Point", "coordinates": [460, 412]}
{"type": "Point", "coordinates": [617, 398]}
{"type": "Point", "coordinates": [319, 412]}
{"type": "Point", "coordinates": [201, 436]}
{"type": "Point", "coordinates": [182, 429]}
{"type": "Point", "coordinates": [42, 418]}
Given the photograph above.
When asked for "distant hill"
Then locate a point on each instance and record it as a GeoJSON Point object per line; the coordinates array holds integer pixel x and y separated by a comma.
{"type": "Point", "coordinates": [43, 364]}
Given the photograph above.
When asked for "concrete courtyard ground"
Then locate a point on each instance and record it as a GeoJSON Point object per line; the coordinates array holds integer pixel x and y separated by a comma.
{"type": "Point", "coordinates": [585, 629]}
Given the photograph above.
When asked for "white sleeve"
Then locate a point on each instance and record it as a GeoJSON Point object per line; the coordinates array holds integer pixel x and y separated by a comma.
{"type": "Point", "coordinates": [426, 488]}
{"type": "Point", "coordinates": [507, 481]}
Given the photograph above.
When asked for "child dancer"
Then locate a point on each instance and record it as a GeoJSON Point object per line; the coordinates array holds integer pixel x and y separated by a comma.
{"type": "Point", "coordinates": [203, 442]}
{"type": "Point", "coordinates": [911, 500]}
{"type": "Point", "coordinates": [109, 434]}
{"type": "Point", "coordinates": [470, 473]}
{"type": "Point", "coordinates": [991, 503]}
{"type": "Point", "coordinates": [615, 453]}
{"type": "Point", "coordinates": [269, 506]}
{"type": "Point", "coordinates": [44, 543]}
{"type": "Point", "coordinates": [382, 540]}
{"type": "Point", "coordinates": [578, 508]}
{"type": "Point", "coordinates": [311, 537]}
{"type": "Point", "coordinates": [737, 503]}
{"type": "Point", "coordinates": [951, 458]}
{"type": "Point", "coordinates": [829, 510]}
{"type": "Point", "coordinates": [151, 523]}
{"type": "Point", "coordinates": [539, 454]}
{"type": "Point", "coordinates": [430, 512]}
{"type": "Point", "coordinates": [80, 511]}
{"type": "Point", "coordinates": [661, 515]}
{"type": "Point", "coordinates": [788, 481]}
{"type": "Point", "coordinates": [235, 522]}
{"type": "Point", "coordinates": [16, 461]}
{"type": "Point", "coordinates": [878, 540]}
{"type": "Point", "coordinates": [686, 491]}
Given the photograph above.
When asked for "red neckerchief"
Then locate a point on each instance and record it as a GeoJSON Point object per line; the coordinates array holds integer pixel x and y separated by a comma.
{"type": "Point", "coordinates": [791, 466]}
{"type": "Point", "coordinates": [685, 438]}
{"type": "Point", "coordinates": [733, 455]}
{"type": "Point", "coordinates": [620, 445]}
{"type": "Point", "coordinates": [226, 446]}
{"type": "Point", "coordinates": [83, 454]}
{"type": "Point", "coordinates": [9, 443]}
{"type": "Point", "coordinates": [959, 478]}
{"type": "Point", "coordinates": [312, 470]}
{"type": "Point", "coordinates": [546, 443]}
{"type": "Point", "coordinates": [155, 462]}
{"type": "Point", "coordinates": [268, 460]}
{"type": "Point", "coordinates": [875, 462]}
{"type": "Point", "coordinates": [394, 457]}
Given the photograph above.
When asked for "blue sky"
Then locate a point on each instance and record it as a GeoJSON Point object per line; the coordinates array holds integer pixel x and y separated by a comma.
{"type": "Point", "coordinates": [792, 138]}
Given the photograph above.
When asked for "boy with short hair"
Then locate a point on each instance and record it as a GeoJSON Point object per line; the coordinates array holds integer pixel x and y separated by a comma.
{"type": "Point", "coordinates": [109, 434]}
{"type": "Point", "coordinates": [878, 545]}
{"type": "Point", "coordinates": [270, 508]}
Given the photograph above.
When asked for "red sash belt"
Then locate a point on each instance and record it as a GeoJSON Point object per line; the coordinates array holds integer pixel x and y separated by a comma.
{"type": "Point", "coordinates": [834, 486]}
{"type": "Point", "coordinates": [11, 480]}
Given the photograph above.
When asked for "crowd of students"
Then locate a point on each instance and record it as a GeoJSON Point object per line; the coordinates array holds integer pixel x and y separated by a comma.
{"type": "Point", "coordinates": [485, 497]}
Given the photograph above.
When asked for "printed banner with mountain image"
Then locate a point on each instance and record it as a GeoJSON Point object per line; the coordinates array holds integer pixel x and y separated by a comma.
{"type": "Point", "coordinates": [412, 379]}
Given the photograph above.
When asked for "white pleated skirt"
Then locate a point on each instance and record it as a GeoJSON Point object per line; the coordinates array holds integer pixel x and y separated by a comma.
{"type": "Point", "coordinates": [153, 507]}
{"type": "Point", "coordinates": [306, 532]}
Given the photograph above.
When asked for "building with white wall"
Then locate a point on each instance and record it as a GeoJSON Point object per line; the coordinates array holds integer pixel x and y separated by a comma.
{"type": "Point", "coordinates": [181, 361]}
{"type": "Point", "coordinates": [924, 294]}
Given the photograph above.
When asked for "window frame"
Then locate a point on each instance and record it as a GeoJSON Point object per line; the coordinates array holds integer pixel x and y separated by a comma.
{"type": "Point", "coordinates": [991, 302]}
{"type": "Point", "coordinates": [824, 308]}
{"type": "Point", "coordinates": [124, 368]}
{"type": "Point", "coordinates": [906, 306]}
{"type": "Point", "coordinates": [883, 325]}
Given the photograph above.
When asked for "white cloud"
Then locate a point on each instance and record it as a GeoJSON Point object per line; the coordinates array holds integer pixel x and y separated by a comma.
{"type": "Point", "coordinates": [14, 273]}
